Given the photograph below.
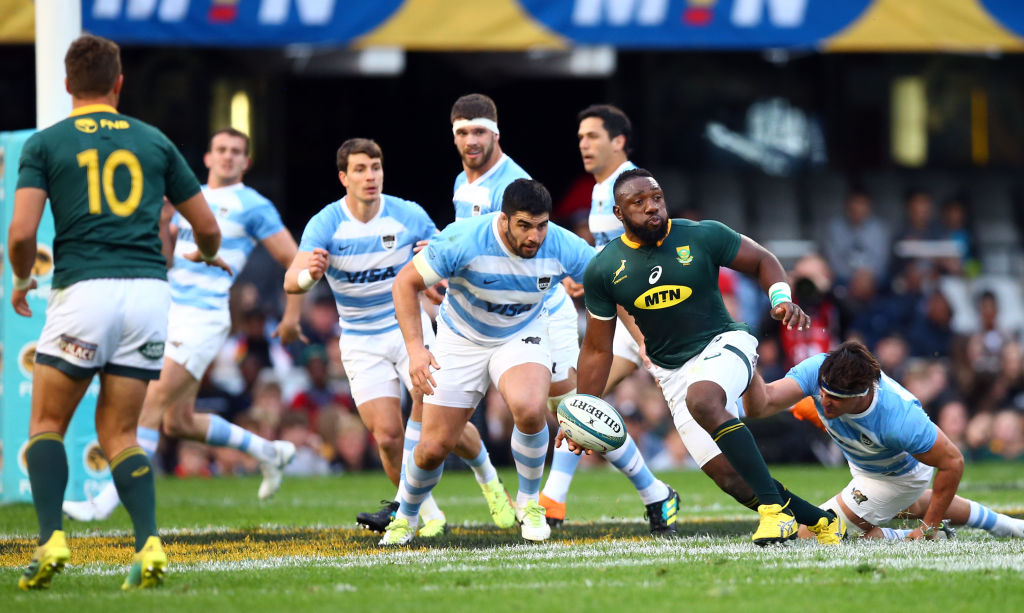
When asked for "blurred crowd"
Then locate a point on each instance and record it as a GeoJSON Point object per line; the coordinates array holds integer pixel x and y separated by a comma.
{"type": "Point", "coordinates": [916, 295]}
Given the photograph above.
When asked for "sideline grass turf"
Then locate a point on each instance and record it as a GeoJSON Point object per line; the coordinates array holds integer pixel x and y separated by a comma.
{"type": "Point", "coordinates": [302, 551]}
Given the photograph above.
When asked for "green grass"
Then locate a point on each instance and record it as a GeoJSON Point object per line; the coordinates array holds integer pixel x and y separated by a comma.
{"type": "Point", "coordinates": [300, 551]}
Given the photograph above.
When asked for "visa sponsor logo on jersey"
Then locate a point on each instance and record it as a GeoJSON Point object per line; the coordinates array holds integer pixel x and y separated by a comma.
{"type": "Point", "coordinates": [662, 297]}
{"type": "Point", "coordinates": [370, 276]}
{"type": "Point", "coordinates": [509, 310]}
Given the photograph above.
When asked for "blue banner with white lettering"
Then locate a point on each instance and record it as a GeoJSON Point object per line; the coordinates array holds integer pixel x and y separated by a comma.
{"type": "Point", "coordinates": [454, 25]}
{"type": "Point", "coordinates": [229, 23]}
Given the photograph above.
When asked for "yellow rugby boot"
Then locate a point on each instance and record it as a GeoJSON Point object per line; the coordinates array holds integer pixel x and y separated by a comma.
{"type": "Point", "coordinates": [148, 568]}
{"type": "Point", "coordinates": [48, 560]}
{"type": "Point", "coordinates": [777, 525]}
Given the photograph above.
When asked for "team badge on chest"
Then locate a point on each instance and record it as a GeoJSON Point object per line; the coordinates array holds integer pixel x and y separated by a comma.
{"type": "Point", "coordinates": [388, 240]}
{"type": "Point", "coordinates": [683, 255]}
{"type": "Point", "coordinates": [543, 283]}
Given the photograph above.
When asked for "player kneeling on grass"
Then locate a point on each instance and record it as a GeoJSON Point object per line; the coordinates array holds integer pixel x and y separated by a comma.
{"type": "Point", "coordinates": [893, 448]}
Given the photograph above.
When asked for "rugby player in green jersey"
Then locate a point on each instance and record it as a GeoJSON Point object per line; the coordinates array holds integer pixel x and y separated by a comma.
{"type": "Point", "coordinates": [105, 175]}
{"type": "Point", "coordinates": [665, 274]}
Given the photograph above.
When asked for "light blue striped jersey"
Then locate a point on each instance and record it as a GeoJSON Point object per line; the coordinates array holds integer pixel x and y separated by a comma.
{"type": "Point", "coordinates": [483, 196]}
{"type": "Point", "coordinates": [365, 257]}
{"type": "Point", "coordinates": [493, 293]}
{"type": "Point", "coordinates": [604, 225]}
{"type": "Point", "coordinates": [245, 217]}
{"type": "Point", "coordinates": [882, 439]}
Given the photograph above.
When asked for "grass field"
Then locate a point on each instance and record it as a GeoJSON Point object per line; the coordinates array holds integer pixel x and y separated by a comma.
{"type": "Point", "coordinates": [302, 552]}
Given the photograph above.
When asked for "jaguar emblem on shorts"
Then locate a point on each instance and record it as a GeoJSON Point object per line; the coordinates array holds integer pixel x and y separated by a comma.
{"type": "Point", "coordinates": [153, 350]}
{"type": "Point", "coordinates": [77, 348]}
{"type": "Point", "coordinates": [543, 283]}
{"type": "Point", "coordinates": [388, 240]}
{"type": "Point", "coordinates": [532, 340]}
{"type": "Point", "coordinates": [858, 496]}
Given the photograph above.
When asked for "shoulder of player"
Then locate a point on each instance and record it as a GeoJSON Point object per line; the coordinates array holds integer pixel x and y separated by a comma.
{"type": "Point", "coordinates": [512, 170]}
{"type": "Point", "coordinates": [252, 199]}
{"type": "Point", "coordinates": [402, 204]}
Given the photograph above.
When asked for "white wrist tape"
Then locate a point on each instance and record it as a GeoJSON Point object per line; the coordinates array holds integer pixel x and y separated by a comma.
{"type": "Point", "coordinates": [207, 258]}
{"type": "Point", "coordinates": [306, 280]}
{"type": "Point", "coordinates": [483, 122]}
{"type": "Point", "coordinates": [779, 293]}
{"type": "Point", "coordinates": [21, 284]}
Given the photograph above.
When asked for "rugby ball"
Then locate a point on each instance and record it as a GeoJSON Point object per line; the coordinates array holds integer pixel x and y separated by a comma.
{"type": "Point", "coordinates": [591, 422]}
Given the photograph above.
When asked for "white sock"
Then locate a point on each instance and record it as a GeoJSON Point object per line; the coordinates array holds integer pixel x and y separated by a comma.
{"type": "Point", "coordinates": [563, 467]}
{"type": "Point", "coordinates": [483, 470]}
{"type": "Point", "coordinates": [429, 510]}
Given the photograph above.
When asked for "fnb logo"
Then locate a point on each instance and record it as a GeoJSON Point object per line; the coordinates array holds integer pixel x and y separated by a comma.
{"type": "Point", "coordinates": [744, 13]}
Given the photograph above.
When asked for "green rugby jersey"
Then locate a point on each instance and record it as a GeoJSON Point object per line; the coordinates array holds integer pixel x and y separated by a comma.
{"type": "Point", "coordinates": [106, 175]}
{"type": "Point", "coordinates": [670, 289]}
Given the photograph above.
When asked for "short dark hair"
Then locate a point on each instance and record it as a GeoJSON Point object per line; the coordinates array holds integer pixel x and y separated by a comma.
{"type": "Point", "coordinates": [632, 173]}
{"type": "Point", "coordinates": [850, 367]}
{"type": "Point", "coordinates": [357, 145]}
{"type": "Point", "coordinates": [526, 195]}
{"type": "Point", "coordinates": [472, 106]}
{"type": "Point", "coordinates": [230, 132]}
{"type": "Point", "coordinates": [615, 122]}
{"type": "Point", "coordinates": [92, 65]}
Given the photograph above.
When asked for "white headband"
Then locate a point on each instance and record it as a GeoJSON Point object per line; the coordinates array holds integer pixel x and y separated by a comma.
{"type": "Point", "coordinates": [482, 122]}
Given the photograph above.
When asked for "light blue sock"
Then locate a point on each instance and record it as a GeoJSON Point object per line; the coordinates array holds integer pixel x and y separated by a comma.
{"type": "Point", "coordinates": [563, 466]}
{"type": "Point", "coordinates": [414, 488]}
{"type": "Point", "coordinates": [982, 517]}
{"type": "Point", "coordinates": [148, 440]}
{"type": "Point", "coordinates": [628, 460]}
{"type": "Point", "coordinates": [223, 433]}
{"type": "Point", "coordinates": [483, 470]}
{"type": "Point", "coordinates": [412, 436]}
{"type": "Point", "coordinates": [529, 451]}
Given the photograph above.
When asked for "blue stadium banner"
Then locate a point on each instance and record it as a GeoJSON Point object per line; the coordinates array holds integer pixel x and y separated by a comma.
{"type": "Point", "coordinates": [88, 471]}
{"type": "Point", "coordinates": [223, 23]}
{"type": "Point", "coordinates": [478, 25]}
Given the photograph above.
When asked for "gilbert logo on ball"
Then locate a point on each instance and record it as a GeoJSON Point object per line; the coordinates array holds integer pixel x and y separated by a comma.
{"type": "Point", "coordinates": [591, 422]}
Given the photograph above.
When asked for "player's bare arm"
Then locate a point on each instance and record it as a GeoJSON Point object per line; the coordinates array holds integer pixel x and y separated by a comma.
{"type": "Point", "coordinates": [754, 260]}
{"type": "Point", "coordinates": [205, 230]}
{"type": "Point", "coordinates": [168, 232]}
{"type": "Point", "coordinates": [21, 240]}
{"type": "Point", "coordinates": [313, 263]}
{"type": "Point", "coordinates": [949, 468]}
{"type": "Point", "coordinates": [594, 365]}
{"type": "Point", "coordinates": [765, 400]}
{"type": "Point", "coordinates": [405, 291]}
{"type": "Point", "coordinates": [281, 246]}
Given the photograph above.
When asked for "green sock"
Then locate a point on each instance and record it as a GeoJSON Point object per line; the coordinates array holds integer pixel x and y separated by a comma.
{"type": "Point", "coordinates": [736, 442]}
{"type": "Point", "coordinates": [133, 477]}
{"type": "Point", "coordinates": [751, 504]}
{"type": "Point", "coordinates": [804, 512]}
{"type": "Point", "coordinates": [48, 474]}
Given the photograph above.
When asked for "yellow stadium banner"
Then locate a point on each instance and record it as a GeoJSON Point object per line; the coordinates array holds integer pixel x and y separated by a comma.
{"type": "Point", "coordinates": [17, 21]}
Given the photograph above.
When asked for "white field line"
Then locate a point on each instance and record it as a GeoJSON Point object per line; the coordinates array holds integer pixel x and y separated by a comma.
{"type": "Point", "coordinates": [1006, 556]}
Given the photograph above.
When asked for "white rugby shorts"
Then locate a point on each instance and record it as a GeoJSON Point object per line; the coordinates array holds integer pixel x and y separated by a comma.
{"type": "Point", "coordinates": [625, 346]}
{"type": "Point", "coordinates": [195, 336]}
{"type": "Point", "coordinates": [116, 326]}
{"type": "Point", "coordinates": [728, 360]}
{"type": "Point", "coordinates": [564, 338]}
{"type": "Point", "coordinates": [876, 498]}
{"type": "Point", "coordinates": [467, 368]}
{"type": "Point", "coordinates": [376, 363]}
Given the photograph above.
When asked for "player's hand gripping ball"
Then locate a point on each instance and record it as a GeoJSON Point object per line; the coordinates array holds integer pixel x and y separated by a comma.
{"type": "Point", "coordinates": [591, 422]}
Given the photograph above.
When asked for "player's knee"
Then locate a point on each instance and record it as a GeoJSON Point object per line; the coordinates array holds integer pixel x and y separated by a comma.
{"type": "Point", "coordinates": [430, 454]}
{"type": "Point", "coordinates": [389, 441]}
{"type": "Point", "coordinates": [175, 425]}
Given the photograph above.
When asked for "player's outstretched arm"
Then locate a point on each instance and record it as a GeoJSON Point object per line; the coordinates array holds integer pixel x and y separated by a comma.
{"type": "Point", "coordinates": [281, 246]}
{"type": "Point", "coordinates": [406, 291]}
{"type": "Point", "coordinates": [754, 260]}
{"type": "Point", "coordinates": [765, 400]}
{"type": "Point", "coordinates": [21, 243]}
{"type": "Point", "coordinates": [205, 231]}
{"type": "Point", "coordinates": [949, 465]}
{"type": "Point", "coordinates": [594, 363]}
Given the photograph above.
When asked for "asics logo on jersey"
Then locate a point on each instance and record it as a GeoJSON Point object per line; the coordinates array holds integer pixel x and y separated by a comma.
{"type": "Point", "coordinates": [662, 297]}
{"type": "Point", "coordinates": [370, 276]}
{"type": "Point", "coordinates": [510, 310]}
{"type": "Point", "coordinates": [616, 278]}
{"type": "Point", "coordinates": [655, 275]}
